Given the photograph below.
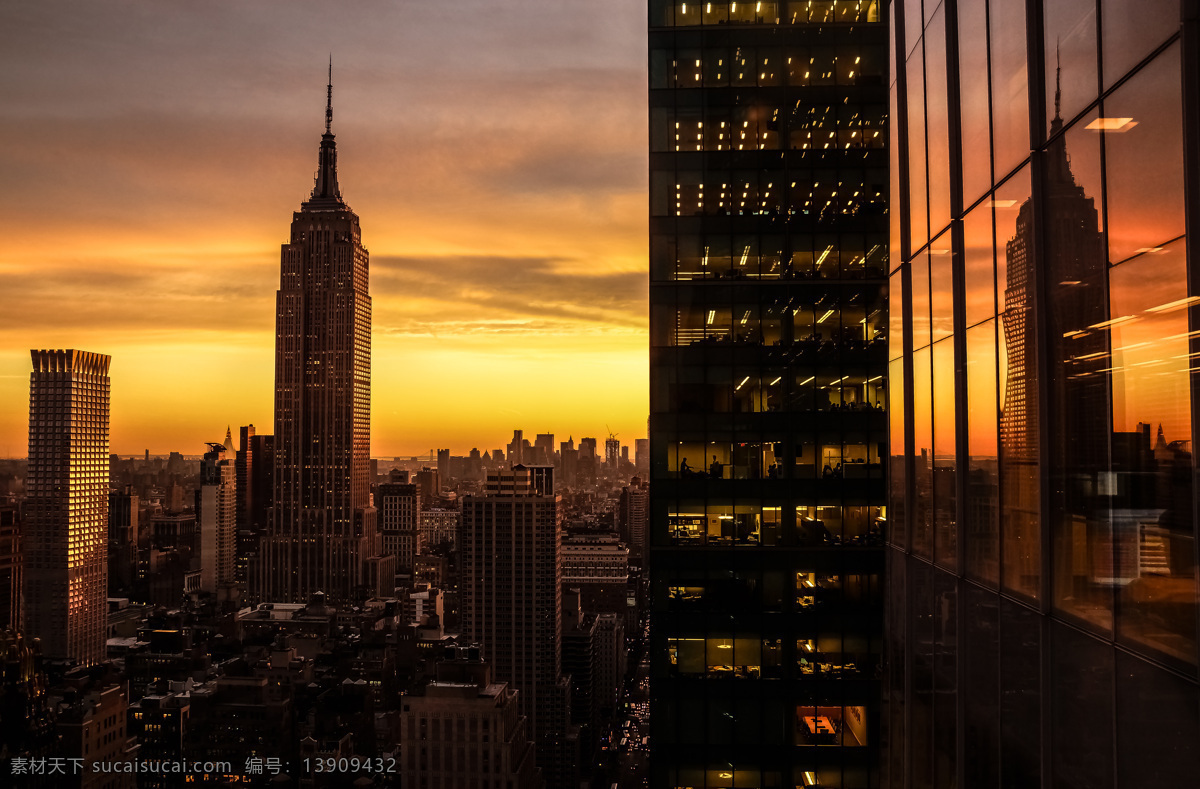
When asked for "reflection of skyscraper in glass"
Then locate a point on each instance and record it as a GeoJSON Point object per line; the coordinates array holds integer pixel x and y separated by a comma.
{"type": "Point", "coordinates": [66, 509]}
{"type": "Point", "coordinates": [1058, 647]}
{"type": "Point", "coordinates": [322, 535]}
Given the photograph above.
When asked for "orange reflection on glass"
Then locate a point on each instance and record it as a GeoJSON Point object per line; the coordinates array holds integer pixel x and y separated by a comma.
{"type": "Point", "coordinates": [941, 288]}
{"type": "Point", "coordinates": [920, 300]}
{"type": "Point", "coordinates": [983, 476]}
{"type": "Point", "coordinates": [1150, 364]}
{"type": "Point", "coordinates": [1144, 162]}
{"type": "Point", "coordinates": [922, 451]}
{"type": "Point", "coordinates": [944, 454]}
{"type": "Point", "coordinates": [1153, 528]}
{"type": "Point", "coordinates": [979, 277]}
{"type": "Point", "coordinates": [897, 478]}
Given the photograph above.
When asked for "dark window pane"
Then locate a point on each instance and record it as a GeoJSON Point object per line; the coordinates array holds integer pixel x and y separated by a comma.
{"type": "Point", "coordinates": [945, 679]}
{"type": "Point", "coordinates": [983, 480]}
{"type": "Point", "coordinates": [1082, 726]}
{"type": "Point", "coordinates": [894, 679]}
{"type": "Point", "coordinates": [1159, 729]}
{"type": "Point", "coordinates": [973, 99]}
{"type": "Point", "coordinates": [1070, 36]}
{"type": "Point", "coordinates": [982, 689]}
{"type": "Point", "coordinates": [1144, 159]}
{"type": "Point", "coordinates": [1021, 697]}
{"type": "Point", "coordinates": [1010, 84]}
{"type": "Point", "coordinates": [920, 738]}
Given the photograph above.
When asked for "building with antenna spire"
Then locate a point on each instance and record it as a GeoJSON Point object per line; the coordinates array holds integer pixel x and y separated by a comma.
{"type": "Point", "coordinates": [322, 534]}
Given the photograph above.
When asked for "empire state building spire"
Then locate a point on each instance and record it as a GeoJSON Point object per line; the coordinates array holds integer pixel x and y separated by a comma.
{"type": "Point", "coordinates": [325, 194]}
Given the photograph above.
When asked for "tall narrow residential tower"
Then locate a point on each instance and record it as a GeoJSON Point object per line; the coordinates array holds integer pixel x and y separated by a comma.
{"type": "Point", "coordinates": [66, 516]}
{"type": "Point", "coordinates": [216, 510]}
{"type": "Point", "coordinates": [768, 249]}
{"type": "Point", "coordinates": [322, 533]}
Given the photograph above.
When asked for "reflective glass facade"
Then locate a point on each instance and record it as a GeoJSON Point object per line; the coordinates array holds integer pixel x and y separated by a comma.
{"type": "Point", "coordinates": [768, 244]}
{"type": "Point", "coordinates": [1042, 560]}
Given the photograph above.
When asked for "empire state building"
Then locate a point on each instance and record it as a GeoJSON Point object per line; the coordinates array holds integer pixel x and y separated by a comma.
{"type": "Point", "coordinates": [322, 535]}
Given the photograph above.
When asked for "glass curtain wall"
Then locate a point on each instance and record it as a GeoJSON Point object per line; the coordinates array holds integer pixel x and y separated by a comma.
{"type": "Point", "coordinates": [769, 264]}
{"type": "Point", "coordinates": [1043, 587]}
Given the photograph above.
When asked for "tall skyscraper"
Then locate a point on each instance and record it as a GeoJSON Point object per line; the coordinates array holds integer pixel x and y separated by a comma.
{"type": "Point", "coordinates": [1042, 566]}
{"type": "Point", "coordinates": [66, 506]}
{"type": "Point", "coordinates": [511, 596]}
{"type": "Point", "coordinates": [123, 532]}
{"type": "Point", "coordinates": [322, 534]}
{"type": "Point", "coordinates": [216, 511]}
{"type": "Point", "coordinates": [399, 508]}
{"type": "Point", "coordinates": [768, 256]}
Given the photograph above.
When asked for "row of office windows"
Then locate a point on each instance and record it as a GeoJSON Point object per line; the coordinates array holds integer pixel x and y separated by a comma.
{"type": "Point", "coordinates": [681, 13]}
{"type": "Point", "coordinates": [760, 127]}
{"type": "Point", "coordinates": [767, 66]}
{"type": "Point", "coordinates": [846, 320]}
{"type": "Point", "coordinates": [733, 525]}
{"type": "Point", "coordinates": [828, 656]}
{"type": "Point", "coordinates": [774, 256]}
{"type": "Point", "coordinates": [729, 389]}
{"type": "Point", "coordinates": [843, 196]}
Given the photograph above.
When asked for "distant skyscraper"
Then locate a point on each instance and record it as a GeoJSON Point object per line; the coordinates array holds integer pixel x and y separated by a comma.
{"type": "Point", "coordinates": [545, 448]}
{"type": "Point", "coordinates": [400, 522]}
{"type": "Point", "coordinates": [66, 515]}
{"type": "Point", "coordinates": [612, 451]}
{"type": "Point", "coordinates": [244, 464]}
{"type": "Point", "coordinates": [322, 533]}
{"type": "Point", "coordinates": [216, 511]}
{"type": "Point", "coordinates": [511, 597]}
{"type": "Point", "coordinates": [10, 566]}
{"type": "Point", "coordinates": [122, 540]}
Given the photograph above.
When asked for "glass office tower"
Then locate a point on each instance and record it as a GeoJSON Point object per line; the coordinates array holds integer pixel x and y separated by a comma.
{"type": "Point", "coordinates": [768, 239]}
{"type": "Point", "coordinates": [1042, 571]}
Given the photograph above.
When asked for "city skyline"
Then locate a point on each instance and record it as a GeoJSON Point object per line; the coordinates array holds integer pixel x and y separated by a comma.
{"type": "Point", "coordinates": [496, 152]}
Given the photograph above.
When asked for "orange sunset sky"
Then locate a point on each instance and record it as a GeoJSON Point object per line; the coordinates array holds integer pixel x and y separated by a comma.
{"type": "Point", "coordinates": [153, 154]}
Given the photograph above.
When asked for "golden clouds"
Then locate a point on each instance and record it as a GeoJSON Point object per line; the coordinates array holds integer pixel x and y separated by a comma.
{"type": "Point", "coordinates": [496, 156]}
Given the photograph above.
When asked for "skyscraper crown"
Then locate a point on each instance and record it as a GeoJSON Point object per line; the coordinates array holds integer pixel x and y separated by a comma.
{"type": "Point", "coordinates": [325, 194]}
